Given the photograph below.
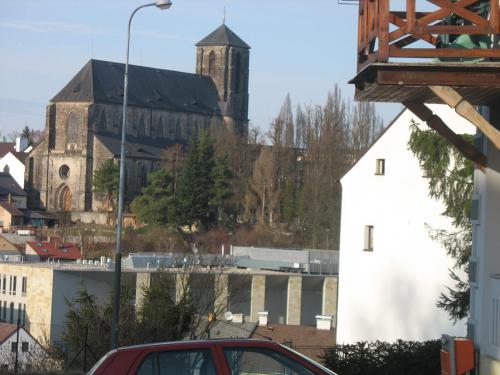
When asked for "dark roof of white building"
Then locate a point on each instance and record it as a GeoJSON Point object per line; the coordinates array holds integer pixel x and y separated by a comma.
{"type": "Point", "coordinates": [9, 186]}
{"type": "Point", "coordinates": [222, 36]}
{"type": "Point", "coordinates": [102, 82]}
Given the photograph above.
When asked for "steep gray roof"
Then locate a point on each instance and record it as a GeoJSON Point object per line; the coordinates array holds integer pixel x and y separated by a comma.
{"type": "Point", "coordinates": [102, 81]}
{"type": "Point", "coordinates": [142, 148]}
{"type": "Point", "coordinates": [9, 185]}
{"type": "Point", "coordinates": [223, 36]}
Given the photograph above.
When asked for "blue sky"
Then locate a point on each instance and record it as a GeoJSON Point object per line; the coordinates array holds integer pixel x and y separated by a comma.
{"type": "Point", "coordinates": [299, 47]}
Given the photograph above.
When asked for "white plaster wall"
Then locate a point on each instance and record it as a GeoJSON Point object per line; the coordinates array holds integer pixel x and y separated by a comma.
{"type": "Point", "coordinates": [35, 351]}
{"type": "Point", "coordinates": [16, 168]}
{"type": "Point", "coordinates": [391, 293]}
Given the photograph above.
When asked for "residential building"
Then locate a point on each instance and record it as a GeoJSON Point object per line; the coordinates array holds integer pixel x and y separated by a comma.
{"type": "Point", "coordinates": [391, 272]}
{"type": "Point", "coordinates": [53, 249]}
{"type": "Point", "coordinates": [10, 216]}
{"type": "Point", "coordinates": [12, 157]}
{"type": "Point", "coordinates": [84, 119]}
{"type": "Point", "coordinates": [29, 351]}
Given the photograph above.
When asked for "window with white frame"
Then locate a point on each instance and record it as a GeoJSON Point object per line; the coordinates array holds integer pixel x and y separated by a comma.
{"type": "Point", "coordinates": [368, 246]}
{"type": "Point", "coordinates": [380, 167]}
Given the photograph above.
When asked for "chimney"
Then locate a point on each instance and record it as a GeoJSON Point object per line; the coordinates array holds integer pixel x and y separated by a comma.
{"type": "Point", "coordinates": [21, 144]}
{"type": "Point", "coordinates": [263, 318]}
{"type": "Point", "coordinates": [324, 322]}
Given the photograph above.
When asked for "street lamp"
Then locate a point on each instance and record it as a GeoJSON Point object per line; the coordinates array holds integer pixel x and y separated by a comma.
{"type": "Point", "coordinates": [162, 4]}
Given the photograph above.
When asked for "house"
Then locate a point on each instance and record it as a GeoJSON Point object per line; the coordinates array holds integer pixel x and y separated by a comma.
{"type": "Point", "coordinates": [12, 246]}
{"type": "Point", "coordinates": [12, 157]}
{"type": "Point", "coordinates": [11, 192]}
{"type": "Point", "coordinates": [30, 353]}
{"type": "Point", "coordinates": [391, 272]}
{"type": "Point", "coordinates": [53, 249]}
{"type": "Point", "coordinates": [10, 216]}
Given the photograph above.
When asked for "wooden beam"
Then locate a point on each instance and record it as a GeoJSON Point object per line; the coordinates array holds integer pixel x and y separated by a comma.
{"type": "Point", "coordinates": [436, 123]}
{"type": "Point", "coordinates": [467, 111]}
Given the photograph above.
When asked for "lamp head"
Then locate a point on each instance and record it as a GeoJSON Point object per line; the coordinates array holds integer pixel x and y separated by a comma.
{"type": "Point", "coordinates": [163, 4]}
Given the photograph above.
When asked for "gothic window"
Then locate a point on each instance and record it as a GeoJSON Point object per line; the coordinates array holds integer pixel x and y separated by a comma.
{"type": "Point", "coordinates": [237, 73]}
{"type": "Point", "coordinates": [178, 126]}
{"type": "Point", "coordinates": [73, 129]}
{"type": "Point", "coordinates": [211, 64]}
{"type": "Point", "coordinates": [6, 169]}
{"type": "Point", "coordinates": [142, 175]}
{"type": "Point", "coordinates": [38, 175]}
{"type": "Point", "coordinates": [102, 121]}
{"type": "Point", "coordinates": [161, 131]}
{"type": "Point", "coordinates": [141, 131]}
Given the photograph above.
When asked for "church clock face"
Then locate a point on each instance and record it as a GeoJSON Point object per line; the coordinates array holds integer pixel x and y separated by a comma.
{"type": "Point", "coordinates": [64, 172]}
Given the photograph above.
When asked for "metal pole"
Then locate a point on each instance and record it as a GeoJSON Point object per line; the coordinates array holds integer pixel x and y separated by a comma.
{"type": "Point", "coordinates": [16, 365]}
{"type": "Point", "coordinates": [119, 219]}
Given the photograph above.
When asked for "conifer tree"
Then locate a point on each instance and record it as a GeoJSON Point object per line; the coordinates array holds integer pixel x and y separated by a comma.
{"type": "Point", "coordinates": [156, 204]}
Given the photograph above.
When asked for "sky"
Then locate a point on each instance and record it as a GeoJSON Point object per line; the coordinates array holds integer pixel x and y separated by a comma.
{"type": "Point", "coordinates": [303, 48]}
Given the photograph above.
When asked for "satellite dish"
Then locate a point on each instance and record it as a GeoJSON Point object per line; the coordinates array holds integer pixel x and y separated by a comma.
{"type": "Point", "coordinates": [228, 315]}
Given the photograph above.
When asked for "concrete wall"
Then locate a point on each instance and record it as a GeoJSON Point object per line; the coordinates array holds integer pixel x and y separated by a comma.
{"type": "Point", "coordinates": [391, 292]}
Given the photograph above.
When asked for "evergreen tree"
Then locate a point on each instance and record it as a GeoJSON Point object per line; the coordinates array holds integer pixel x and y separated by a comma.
{"type": "Point", "coordinates": [106, 183]}
{"type": "Point", "coordinates": [196, 183]}
{"type": "Point", "coordinates": [156, 204]}
{"type": "Point", "coordinates": [221, 190]}
{"type": "Point", "coordinates": [161, 317]}
{"type": "Point", "coordinates": [450, 179]}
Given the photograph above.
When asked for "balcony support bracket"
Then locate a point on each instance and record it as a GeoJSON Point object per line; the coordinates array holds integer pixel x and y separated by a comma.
{"type": "Point", "coordinates": [451, 97]}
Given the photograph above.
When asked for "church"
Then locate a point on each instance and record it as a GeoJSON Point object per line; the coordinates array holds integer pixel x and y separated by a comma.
{"type": "Point", "coordinates": [83, 121]}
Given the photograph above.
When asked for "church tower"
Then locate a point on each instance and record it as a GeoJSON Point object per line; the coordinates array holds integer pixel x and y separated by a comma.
{"type": "Point", "coordinates": [224, 57]}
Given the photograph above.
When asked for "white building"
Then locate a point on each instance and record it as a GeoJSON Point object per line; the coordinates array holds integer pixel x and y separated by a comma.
{"type": "Point", "coordinates": [12, 156]}
{"type": "Point", "coordinates": [391, 272]}
{"type": "Point", "coordinates": [29, 351]}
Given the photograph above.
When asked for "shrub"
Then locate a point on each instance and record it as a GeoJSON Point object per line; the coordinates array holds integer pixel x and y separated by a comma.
{"type": "Point", "coordinates": [383, 358]}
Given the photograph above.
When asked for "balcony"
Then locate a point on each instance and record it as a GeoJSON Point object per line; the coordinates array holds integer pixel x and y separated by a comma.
{"type": "Point", "coordinates": [385, 33]}
{"type": "Point", "coordinates": [401, 52]}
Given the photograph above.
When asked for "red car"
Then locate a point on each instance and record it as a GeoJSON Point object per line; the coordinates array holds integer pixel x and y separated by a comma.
{"type": "Point", "coordinates": [207, 357]}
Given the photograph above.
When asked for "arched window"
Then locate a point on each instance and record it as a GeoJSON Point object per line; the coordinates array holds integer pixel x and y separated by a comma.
{"type": "Point", "coordinates": [38, 175]}
{"type": "Point", "coordinates": [72, 129]}
{"type": "Point", "coordinates": [211, 64]}
{"type": "Point", "coordinates": [237, 73]}
{"type": "Point", "coordinates": [6, 169]}
{"type": "Point", "coordinates": [102, 121]}
{"type": "Point", "coordinates": [141, 130]}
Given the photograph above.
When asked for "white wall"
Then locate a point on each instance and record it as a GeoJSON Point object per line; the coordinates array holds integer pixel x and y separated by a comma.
{"type": "Point", "coordinates": [391, 293]}
{"type": "Point", "coordinates": [16, 168]}
{"type": "Point", "coordinates": [34, 355]}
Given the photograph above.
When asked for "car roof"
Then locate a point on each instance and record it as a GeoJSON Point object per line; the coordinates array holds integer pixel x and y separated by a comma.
{"type": "Point", "coordinates": [206, 342]}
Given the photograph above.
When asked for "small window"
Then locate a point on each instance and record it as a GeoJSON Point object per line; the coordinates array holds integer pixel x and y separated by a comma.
{"type": "Point", "coordinates": [25, 346]}
{"type": "Point", "coordinates": [11, 315]}
{"type": "Point", "coordinates": [6, 169]}
{"type": "Point", "coordinates": [24, 287]}
{"type": "Point", "coordinates": [368, 238]}
{"type": "Point", "coordinates": [380, 167]}
{"type": "Point", "coordinates": [14, 347]}
{"type": "Point", "coordinates": [64, 172]}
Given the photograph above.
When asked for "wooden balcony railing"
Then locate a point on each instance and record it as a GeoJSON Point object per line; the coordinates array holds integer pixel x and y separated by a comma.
{"type": "Point", "coordinates": [384, 33]}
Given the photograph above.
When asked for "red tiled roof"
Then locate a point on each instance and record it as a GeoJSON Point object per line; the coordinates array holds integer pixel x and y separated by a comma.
{"type": "Point", "coordinates": [304, 339]}
{"type": "Point", "coordinates": [10, 209]}
{"type": "Point", "coordinates": [51, 250]}
{"type": "Point", "coordinates": [6, 330]}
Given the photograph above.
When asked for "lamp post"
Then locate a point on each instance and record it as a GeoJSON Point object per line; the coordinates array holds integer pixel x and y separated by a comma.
{"type": "Point", "coordinates": [162, 4]}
